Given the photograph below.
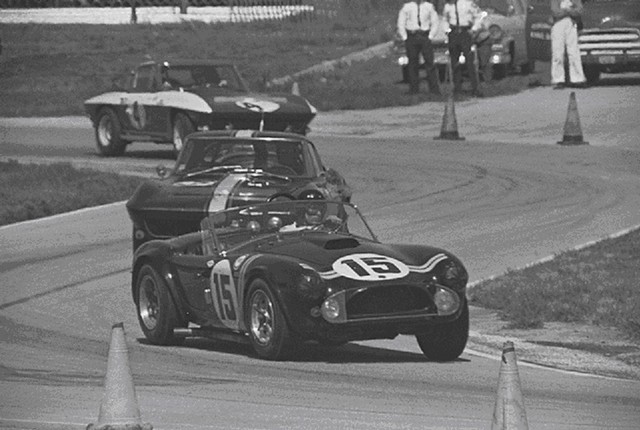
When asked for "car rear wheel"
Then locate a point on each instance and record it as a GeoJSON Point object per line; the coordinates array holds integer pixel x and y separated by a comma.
{"type": "Point", "coordinates": [182, 127]}
{"type": "Point", "coordinates": [269, 333]}
{"type": "Point", "coordinates": [446, 342]}
{"type": "Point", "coordinates": [157, 313]}
{"type": "Point", "coordinates": [108, 132]}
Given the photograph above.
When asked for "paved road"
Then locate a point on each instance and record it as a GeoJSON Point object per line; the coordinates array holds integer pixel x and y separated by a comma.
{"type": "Point", "coordinates": [498, 202]}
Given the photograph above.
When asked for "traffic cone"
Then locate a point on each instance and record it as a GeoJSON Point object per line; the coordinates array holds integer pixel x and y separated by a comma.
{"type": "Point", "coordinates": [572, 130]}
{"type": "Point", "coordinates": [295, 90]}
{"type": "Point", "coordinates": [449, 129]}
{"type": "Point", "coordinates": [509, 413]}
{"type": "Point", "coordinates": [119, 409]}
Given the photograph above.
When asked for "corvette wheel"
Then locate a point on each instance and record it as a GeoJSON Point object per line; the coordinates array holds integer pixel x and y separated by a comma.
{"type": "Point", "coordinates": [108, 132]}
{"type": "Point", "coordinates": [268, 331]}
{"type": "Point", "coordinates": [157, 313]}
{"type": "Point", "coordinates": [182, 126]}
{"type": "Point", "coordinates": [446, 342]}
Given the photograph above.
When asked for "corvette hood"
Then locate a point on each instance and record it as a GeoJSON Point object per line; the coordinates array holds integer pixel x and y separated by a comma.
{"type": "Point", "coordinates": [610, 14]}
{"type": "Point", "coordinates": [228, 102]}
{"type": "Point", "coordinates": [203, 195]}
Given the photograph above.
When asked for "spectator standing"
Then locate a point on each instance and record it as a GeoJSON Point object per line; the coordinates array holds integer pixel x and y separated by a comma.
{"type": "Point", "coordinates": [464, 19]}
{"type": "Point", "coordinates": [417, 24]}
{"type": "Point", "coordinates": [564, 39]}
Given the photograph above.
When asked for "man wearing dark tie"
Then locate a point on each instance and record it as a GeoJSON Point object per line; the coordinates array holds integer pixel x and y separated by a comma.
{"type": "Point", "coordinates": [417, 24]}
{"type": "Point", "coordinates": [464, 19]}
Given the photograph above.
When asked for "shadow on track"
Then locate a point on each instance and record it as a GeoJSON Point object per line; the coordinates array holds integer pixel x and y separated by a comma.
{"type": "Point", "coordinates": [312, 352]}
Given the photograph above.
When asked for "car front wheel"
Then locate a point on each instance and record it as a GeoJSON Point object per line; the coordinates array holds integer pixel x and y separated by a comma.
{"type": "Point", "coordinates": [182, 127]}
{"type": "Point", "coordinates": [108, 132]}
{"type": "Point", "coordinates": [157, 313]}
{"type": "Point", "coordinates": [445, 342]}
{"type": "Point", "coordinates": [269, 334]}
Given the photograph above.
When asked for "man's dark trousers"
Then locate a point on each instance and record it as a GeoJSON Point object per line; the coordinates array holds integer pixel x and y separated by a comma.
{"type": "Point", "coordinates": [418, 43]}
{"type": "Point", "coordinates": [460, 41]}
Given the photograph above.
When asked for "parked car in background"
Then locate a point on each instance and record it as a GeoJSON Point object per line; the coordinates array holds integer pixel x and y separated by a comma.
{"type": "Point", "coordinates": [501, 45]}
{"type": "Point", "coordinates": [163, 102]}
{"type": "Point", "coordinates": [220, 169]}
{"type": "Point", "coordinates": [279, 274]}
{"type": "Point", "coordinates": [609, 41]}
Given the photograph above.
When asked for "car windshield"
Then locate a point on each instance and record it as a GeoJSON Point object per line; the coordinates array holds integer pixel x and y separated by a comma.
{"type": "Point", "coordinates": [206, 75]}
{"type": "Point", "coordinates": [233, 227]}
{"type": "Point", "coordinates": [280, 157]}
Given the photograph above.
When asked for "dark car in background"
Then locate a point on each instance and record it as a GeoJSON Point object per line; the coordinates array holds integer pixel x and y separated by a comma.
{"type": "Point", "coordinates": [609, 40]}
{"type": "Point", "coordinates": [277, 275]}
{"type": "Point", "coordinates": [220, 169]}
{"type": "Point", "coordinates": [163, 102]}
{"type": "Point", "coordinates": [500, 46]}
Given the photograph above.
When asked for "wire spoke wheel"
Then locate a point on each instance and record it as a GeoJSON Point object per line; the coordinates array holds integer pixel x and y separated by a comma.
{"type": "Point", "coordinates": [262, 318]}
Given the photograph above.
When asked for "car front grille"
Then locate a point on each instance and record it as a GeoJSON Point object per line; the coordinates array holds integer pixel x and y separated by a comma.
{"type": "Point", "coordinates": [610, 41]}
{"type": "Point", "coordinates": [395, 300]}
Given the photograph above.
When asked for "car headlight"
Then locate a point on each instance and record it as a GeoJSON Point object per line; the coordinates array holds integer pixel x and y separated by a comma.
{"type": "Point", "coordinates": [334, 308]}
{"type": "Point", "coordinates": [310, 285]}
{"type": "Point", "coordinates": [447, 302]}
{"type": "Point", "coordinates": [451, 274]}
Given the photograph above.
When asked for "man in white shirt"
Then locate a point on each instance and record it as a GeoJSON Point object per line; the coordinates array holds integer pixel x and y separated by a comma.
{"type": "Point", "coordinates": [564, 38]}
{"type": "Point", "coordinates": [464, 19]}
{"type": "Point", "coordinates": [417, 25]}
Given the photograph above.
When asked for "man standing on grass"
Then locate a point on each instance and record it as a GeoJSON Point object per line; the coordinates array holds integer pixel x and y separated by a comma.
{"type": "Point", "coordinates": [564, 38]}
{"type": "Point", "coordinates": [465, 20]}
{"type": "Point", "coordinates": [417, 25]}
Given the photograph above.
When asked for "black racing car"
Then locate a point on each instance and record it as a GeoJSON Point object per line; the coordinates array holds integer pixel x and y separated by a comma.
{"type": "Point", "coordinates": [278, 274]}
{"type": "Point", "coordinates": [221, 169]}
{"type": "Point", "coordinates": [163, 102]}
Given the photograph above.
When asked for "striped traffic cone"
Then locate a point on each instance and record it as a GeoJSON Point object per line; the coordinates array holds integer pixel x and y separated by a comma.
{"type": "Point", "coordinates": [509, 413]}
{"type": "Point", "coordinates": [449, 129]}
{"type": "Point", "coordinates": [119, 409]}
{"type": "Point", "coordinates": [572, 129]}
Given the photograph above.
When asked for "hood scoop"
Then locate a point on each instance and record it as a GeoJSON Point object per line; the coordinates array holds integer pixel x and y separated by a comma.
{"type": "Point", "coordinates": [342, 243]}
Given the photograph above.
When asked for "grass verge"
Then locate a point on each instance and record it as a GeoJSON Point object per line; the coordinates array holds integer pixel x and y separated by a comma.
{"type": "Point", "coordinates": [596, 285]}
{"type": "Point", "coordinates": [49, 70]}
{"type": "Point", "coordinates": [30, 191]}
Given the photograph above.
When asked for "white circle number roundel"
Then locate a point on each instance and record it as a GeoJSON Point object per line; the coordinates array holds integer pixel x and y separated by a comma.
{"type": "Point", "coordinates": [370, 267]}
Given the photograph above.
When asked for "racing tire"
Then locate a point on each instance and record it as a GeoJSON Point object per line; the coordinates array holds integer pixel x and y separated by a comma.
{"type": "Point", "coordinates": [182, 127]}
{"type": "Point", "coordinates": [269, 334]}
{"type": "Point", "coordinates": [445, 342]}
{"type": "Point", "coordinates": [157, 313]}
{"type": "Point", "coordinates": [108, 131]}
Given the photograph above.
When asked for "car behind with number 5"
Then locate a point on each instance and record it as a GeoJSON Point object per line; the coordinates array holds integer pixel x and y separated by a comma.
{"type": "Point", "coordinates": [163, 102]}
{"type": "Point", "coordinates": [277, 275]}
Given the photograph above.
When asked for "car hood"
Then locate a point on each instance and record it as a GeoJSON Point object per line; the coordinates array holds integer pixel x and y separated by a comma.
{"type": "Point", "coordinates": [226, 101]}
{"type": "Point", "coordinates": [611, 14]}
{"type": "Point", "coordinates": [322, 250]}
{"type": "Point", "coordinates": [208, 194]}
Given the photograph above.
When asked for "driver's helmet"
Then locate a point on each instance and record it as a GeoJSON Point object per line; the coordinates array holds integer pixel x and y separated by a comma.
{"type": "Point", "coordinates": [314, 213]}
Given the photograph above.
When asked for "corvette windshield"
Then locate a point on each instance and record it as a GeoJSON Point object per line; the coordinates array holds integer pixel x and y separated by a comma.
{"type": "Point", "coordinates": [205, 75]}
{"type": "Point", "coordinates": [233, 227]}
{"type": "Point", "coordinates": [280, 158]}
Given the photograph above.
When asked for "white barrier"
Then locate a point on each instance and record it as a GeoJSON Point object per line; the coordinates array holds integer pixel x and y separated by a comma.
{"type": "Point", "coordinates": [148, 15]}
